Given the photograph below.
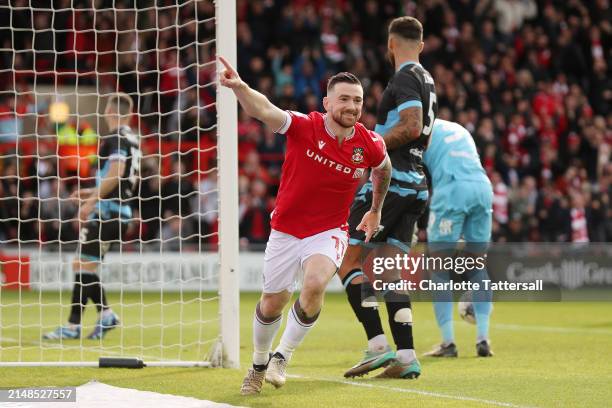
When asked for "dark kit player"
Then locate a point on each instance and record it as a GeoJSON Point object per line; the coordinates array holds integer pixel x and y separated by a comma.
{"type": "Point", "coordinates": [104, 213]}
{"type": "Point", "coordinates": [405, 120]}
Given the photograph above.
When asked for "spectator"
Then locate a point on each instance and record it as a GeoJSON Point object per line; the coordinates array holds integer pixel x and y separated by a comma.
{"type": "Point", "coordinates": [254, 224]}
{"type": "Point", "coordinates": [530, 80]}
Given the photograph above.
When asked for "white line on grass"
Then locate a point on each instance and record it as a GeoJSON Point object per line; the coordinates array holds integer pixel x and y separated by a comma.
{"type": "Point", "coordinates": [411, 391]}
{"type": "Point", "coordinates": [60, 346]}
{"type": "Point", "coordinates": [540, 328]}
{"type": "Point", "coordinates": [551, 329]}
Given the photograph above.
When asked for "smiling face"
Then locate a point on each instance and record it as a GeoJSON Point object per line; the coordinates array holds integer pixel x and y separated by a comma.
{"type": "Point", "coordinates": [344, 102]}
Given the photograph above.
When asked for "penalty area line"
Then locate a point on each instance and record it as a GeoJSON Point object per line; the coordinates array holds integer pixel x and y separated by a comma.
{"type": "Point", "coordinates": [411, 391]}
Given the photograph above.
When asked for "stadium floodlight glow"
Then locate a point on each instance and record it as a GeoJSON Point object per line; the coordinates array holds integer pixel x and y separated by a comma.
{"type": "Point", "coordinates": [175, 291]}
{"type": "Point", "coordinates": [59, 112]}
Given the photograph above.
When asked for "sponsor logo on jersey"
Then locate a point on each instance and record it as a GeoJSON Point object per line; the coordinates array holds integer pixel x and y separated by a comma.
{"type": "Point", "coordinates": [358, 173]}
{"type": "Point", "coordinates": [357, 157]}
{"type": "Point", "coordinates": [329, 163]}
{"type": "Point", "coordinates": [321, 144]}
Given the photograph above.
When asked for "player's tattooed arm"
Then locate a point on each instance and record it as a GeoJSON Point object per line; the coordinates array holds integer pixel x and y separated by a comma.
{"type": "Point", "coordinates": [254, 103]}
{"type": "Point", "coordinates": [381, 178]}
{"type": "Point", "coordinates": [408, 128]}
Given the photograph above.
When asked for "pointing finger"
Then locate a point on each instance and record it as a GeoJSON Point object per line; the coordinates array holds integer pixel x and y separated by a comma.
{"type": "Point", "coordinates": [227, 65]}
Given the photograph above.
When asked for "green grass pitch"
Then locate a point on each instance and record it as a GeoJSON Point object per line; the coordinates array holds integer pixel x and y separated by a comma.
{"type": "Point", "coordinates": [547, 354]}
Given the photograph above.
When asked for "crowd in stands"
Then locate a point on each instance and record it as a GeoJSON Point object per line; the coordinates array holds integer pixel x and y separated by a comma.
{"type": "Point", "coordinates": [529, 78]}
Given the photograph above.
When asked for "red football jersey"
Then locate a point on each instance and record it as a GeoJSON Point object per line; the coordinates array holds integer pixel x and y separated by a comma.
{"type": "Point", "coordinates": [319, 177]}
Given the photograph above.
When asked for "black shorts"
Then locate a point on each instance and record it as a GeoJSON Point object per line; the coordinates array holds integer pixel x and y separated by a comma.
{"type": "Point", "coordinates": [399, 216]}
{"type": "Point", "coordinates": [97, 236]}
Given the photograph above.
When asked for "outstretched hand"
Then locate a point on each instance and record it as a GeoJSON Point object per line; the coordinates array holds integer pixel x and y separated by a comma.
{"type": "Point", "coordinates": [369, 224]}
{"type": "Point", "coordinates": [229, 76]}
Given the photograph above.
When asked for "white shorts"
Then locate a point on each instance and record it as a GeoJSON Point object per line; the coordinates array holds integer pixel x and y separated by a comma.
{"type": "Point", "coordinates": [285, 255]}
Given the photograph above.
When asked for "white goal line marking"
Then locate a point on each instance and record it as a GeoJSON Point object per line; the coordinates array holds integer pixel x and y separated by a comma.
{"type": "Point", "coordinates": [55, 345]}
{"type": "Point", "coordinates": [412, 391]}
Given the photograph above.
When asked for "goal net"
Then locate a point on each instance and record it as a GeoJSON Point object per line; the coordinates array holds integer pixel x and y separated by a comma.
{"type": "Point", "coordinates": [170, 273]}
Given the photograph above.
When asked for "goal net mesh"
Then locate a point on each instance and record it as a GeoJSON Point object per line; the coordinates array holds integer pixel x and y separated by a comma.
{"type": "Point", "coordinates": [59, 60]}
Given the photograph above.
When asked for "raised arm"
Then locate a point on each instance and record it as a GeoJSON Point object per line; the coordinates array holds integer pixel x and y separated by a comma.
{"type": "Point", "coordinates": [408, 128]}
{"type": "Point", "coordinates": [254, 103]}
{"type": "Point", "coordinates": [381, 177]}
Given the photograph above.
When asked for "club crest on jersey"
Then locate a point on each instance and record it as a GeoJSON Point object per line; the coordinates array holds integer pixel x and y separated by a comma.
{"type": "Point", "coordinates": [357, 155]}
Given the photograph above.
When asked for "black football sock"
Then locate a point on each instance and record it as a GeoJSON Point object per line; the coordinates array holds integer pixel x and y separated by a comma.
{"type": "Point", "coordinates": [368, 316]}
{"type": "Point", "coordinates": [80, 295]}
{"type": "Point", "coordinates": [400, 319]}
{"type": "Point", "coordinates": [97, 293]}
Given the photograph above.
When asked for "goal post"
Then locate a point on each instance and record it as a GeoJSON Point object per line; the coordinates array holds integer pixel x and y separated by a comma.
{"type": "Point", "coordinates": [228, 191]}
{"type": "Point", "coordinates": [172, 277]}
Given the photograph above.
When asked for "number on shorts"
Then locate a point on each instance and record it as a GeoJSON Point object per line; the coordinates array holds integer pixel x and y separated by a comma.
{"type": "Point", "coordinates": [340, 247]}
{"type": "Point", "coordinates": [83, 235]}
{"type": "Point", "coordinates": [135, 168]}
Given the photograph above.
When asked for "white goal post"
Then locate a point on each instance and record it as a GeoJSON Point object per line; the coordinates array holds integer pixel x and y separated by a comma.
{"type": "Point", "coordinates": [228, 190]}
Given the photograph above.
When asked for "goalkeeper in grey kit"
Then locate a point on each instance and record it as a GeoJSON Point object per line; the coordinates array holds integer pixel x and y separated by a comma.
{"type": "Point", "coordinates": [104, 215]}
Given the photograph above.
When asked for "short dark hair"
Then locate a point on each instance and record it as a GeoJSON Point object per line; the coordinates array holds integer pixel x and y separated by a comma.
{"type": "Point", "coordinates": [121, 102]}
{"type": "Point", "coordinates": [342, 77]}
{"type": "Point", "coordinates": [407, 27]}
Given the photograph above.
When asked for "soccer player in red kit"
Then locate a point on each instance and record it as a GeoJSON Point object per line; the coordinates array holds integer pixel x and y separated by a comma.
{"type": "Point", "coordinates": [325, 158]}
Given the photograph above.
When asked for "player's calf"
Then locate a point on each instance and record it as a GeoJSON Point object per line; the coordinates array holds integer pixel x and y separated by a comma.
{"type": "Point", "coordinates": [399, 310]}
{"type": "Point", "coordinates": [299, 324]}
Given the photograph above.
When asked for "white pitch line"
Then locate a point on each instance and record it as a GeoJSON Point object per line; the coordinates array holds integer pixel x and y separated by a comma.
{"type": "Point", "coordinates": [58, 346]}
{"type": "Point", "coordinates": [412, 391]}
{"type": "Point", "coordinates": [549, 329]}
{"type": "Point", "coordinates": [577, 330]}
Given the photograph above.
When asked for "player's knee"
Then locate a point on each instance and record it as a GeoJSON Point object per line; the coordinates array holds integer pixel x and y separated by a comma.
{"type": "Point", "coordinates": [313, 290]}
{"type": "Point", "coordinates": [317, 272]}
{"type": "Point", "coordinates": [272, 304]}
